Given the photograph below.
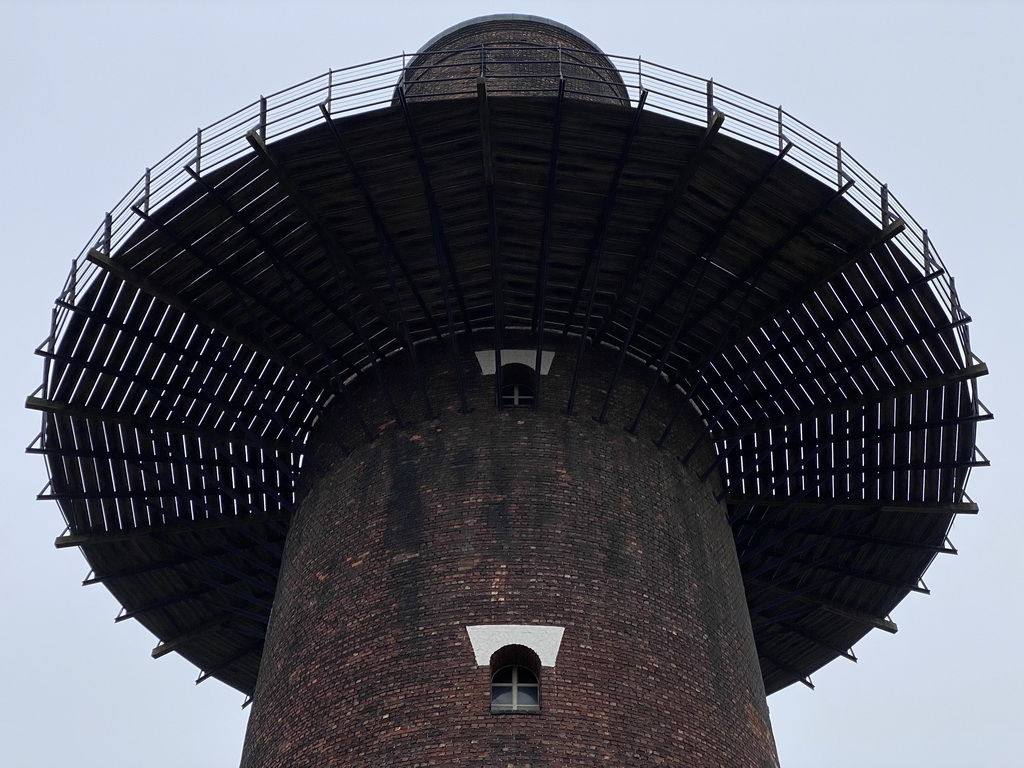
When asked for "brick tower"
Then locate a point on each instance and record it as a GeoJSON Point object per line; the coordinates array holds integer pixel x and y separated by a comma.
{"type": "Point", "coordinates": [538, 410]}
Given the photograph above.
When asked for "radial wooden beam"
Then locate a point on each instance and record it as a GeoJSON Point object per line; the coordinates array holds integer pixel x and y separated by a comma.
{"type": "Point", "coordinates": [882, 395]}
{"type": "Point", "coordinates": [334, 253]}
{"type": "Point", "coordinates": [389, 251]}
{"type": "Point", "coordinates": [210, 360]}
{"type": "Point", "coordinates": [172, 299]}
{"type": "Point", "coordinates": [494, 244]}
{"type": "Point", "coordinates": [198, 391]}
{"type": "Point", "coordinates": [288, 271]}
{"type": "Point", "coordinates": [811, 539]}
{"type": "Point", "coordinates": [144, 424]}
{"type": "Point", "coordinates": [443, 255]}
{"type": "Point", "coordinates": [544, 257]}
{"type": "Point", "coordinates": [198, 632]}
{"type": "Point", "coordinates": [789, 670]}
{"type": "Point", "coordinates": [166, 602]}
{"type": "Point", "coordinates": [749, 277]}
{"type": "Point", "coordinates": [785, 627]}
{"type": "Point", "coordinates": [705, 258]}
{"type": "Point", "coordinates": [903, 507]}
{"type": "Point", "coordinates": [331, 360]}
{"type": "Point", "coordinates": [184, 566]}
{"type": "Point", "coordinates": [167, 528]}
{"type": "Point", "coordinates": [227, 661]}
{"type": "Point", "coordinates": [596, 253]}
{"type": "Point", "coordinates": [645, 257]}
{"type": "Point", "coordinates": [596, 250]}
{"type": "Point", "coordinates": [385, 240]}
{"type": "Point", "coordinates": [707, 252]}
{"type": "Point", "coordinates": [154, 431]}
{"type": "Point", "coordinates": [858, 616]}
{"type": "Point", "coordinates": [799, 294]}
{"type": "Point", "coordinates": [331, 247]}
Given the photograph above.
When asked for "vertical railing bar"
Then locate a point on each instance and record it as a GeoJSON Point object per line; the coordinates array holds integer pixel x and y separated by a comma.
{"type": "Point", "coordinates": [781, 140]}
{"type": "Point", "coordinates": [839, 163]}
{"type": "Point", "coordinates": [929, 261]}
{"type": "Point", "coordinates": [108, 225]}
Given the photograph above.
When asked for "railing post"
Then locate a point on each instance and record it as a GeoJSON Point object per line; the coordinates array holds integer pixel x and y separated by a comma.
{"type": "Point", "coordinates": [929, 260]}
{"type": "Point", "coordinates": [781, 143]}
{"type": "Point", "coordinates": [885, 205]}
{"type": "Point", "coordinates": [839, 164]}
{"type": "Point", "coordinates": [145, 192]}
{"type": "Point", "coordinates": [199, 150]}
{"type": "Point", "coordinates": [108, 233]}
{"type": "Point", "coordinates": [263, 118]}
{"type": "Point", "coordinates": [954, 300]}
{"type": "Point", "coordinates": [711, 100]}
{"type": "Point", "coordinates": [330, 89]}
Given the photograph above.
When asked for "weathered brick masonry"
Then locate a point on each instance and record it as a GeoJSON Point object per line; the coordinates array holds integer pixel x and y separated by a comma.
{"type": "Point", "coordinates": [514, 517]}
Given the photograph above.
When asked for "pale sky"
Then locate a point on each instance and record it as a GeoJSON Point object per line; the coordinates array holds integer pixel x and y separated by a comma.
{"type": "Point", "coordinates": [926, 95]}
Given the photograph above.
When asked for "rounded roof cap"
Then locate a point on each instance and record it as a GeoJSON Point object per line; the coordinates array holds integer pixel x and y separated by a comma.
{"type": "Point", "coordinates": [504, 17]}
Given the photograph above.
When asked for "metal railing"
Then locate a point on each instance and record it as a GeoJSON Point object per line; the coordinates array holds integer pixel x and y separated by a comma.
{"type": "Point", "coordinates": [372, 85]}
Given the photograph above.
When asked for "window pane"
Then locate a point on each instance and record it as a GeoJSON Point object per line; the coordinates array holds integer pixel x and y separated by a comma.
{"type": "Point", "coordinates": [503, 676]}
{"type": "Point", "coordinates": [501, 696]}
{"type": "Point", "coordinates": [526, 676]}
{"type": "Point", "coordinates": [528, 697]}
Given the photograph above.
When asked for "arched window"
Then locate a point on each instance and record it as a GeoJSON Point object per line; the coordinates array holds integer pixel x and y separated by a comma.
{"type": "Point", "coordinates": [516, 385]}
{"type": "Point", "coordinates": [515, 685]}
{"type": "Point", "coordinates": [515, 689]}
{"type": "Point", "coordinates": [515, 395]}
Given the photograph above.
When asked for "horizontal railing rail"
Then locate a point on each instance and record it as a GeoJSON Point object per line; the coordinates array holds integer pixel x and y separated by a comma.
{"type": "Point", "coordinates": [369, 86]}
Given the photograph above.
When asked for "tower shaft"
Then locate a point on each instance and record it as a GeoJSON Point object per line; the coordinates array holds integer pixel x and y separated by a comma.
{"type": "Point", "coordinates": [403, 551]}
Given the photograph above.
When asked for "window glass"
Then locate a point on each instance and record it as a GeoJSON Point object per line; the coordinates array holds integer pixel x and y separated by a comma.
{"type": "Point", "coordinates": [527, 696]}
{"type": "Point", "coordinates": [515, 395]}
{"type": "Point", "coordinates": [526, 677]}
{"type": "Point", "coordinates": [501, 697]}
{"type": "Point", "coordinates": [515, 689]}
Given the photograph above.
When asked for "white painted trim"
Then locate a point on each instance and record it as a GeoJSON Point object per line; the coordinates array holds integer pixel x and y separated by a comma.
{"type": "Point", "coordinates": [527, 357]}
{"type": "Point", "coordinates": [542, 640]}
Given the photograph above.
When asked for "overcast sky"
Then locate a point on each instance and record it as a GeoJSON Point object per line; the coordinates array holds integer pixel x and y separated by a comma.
{"type": "Point", "coordinates": [927, 95]}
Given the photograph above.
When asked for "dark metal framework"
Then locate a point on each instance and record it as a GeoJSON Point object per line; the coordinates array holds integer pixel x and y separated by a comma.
{"type": "Point", "coordinates": [239, 289]}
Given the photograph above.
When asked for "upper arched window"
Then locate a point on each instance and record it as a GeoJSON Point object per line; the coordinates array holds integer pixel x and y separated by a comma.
{"type": "Point", "coordinates": [514, 395]}
{"type": "Point", "coordinates": [515, 684]}
{"type": "Point", "coordinates": [516, 385]}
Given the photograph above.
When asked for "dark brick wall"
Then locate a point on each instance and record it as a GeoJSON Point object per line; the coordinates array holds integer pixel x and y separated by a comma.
{"type": "Point", "coordinates": [515, 54]}
{"type": "Point", "coordinates": [514, 517]}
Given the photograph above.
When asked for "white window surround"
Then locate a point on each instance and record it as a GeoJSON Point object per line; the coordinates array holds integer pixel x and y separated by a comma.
{"type": "Point", "coordinates": [542, 640]}
{"type": "Point", "coordinates": [527, 357]}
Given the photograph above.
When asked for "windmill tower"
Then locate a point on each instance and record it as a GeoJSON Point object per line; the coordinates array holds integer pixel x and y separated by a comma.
{"type": "Point", "coordinates": [509, 404]}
